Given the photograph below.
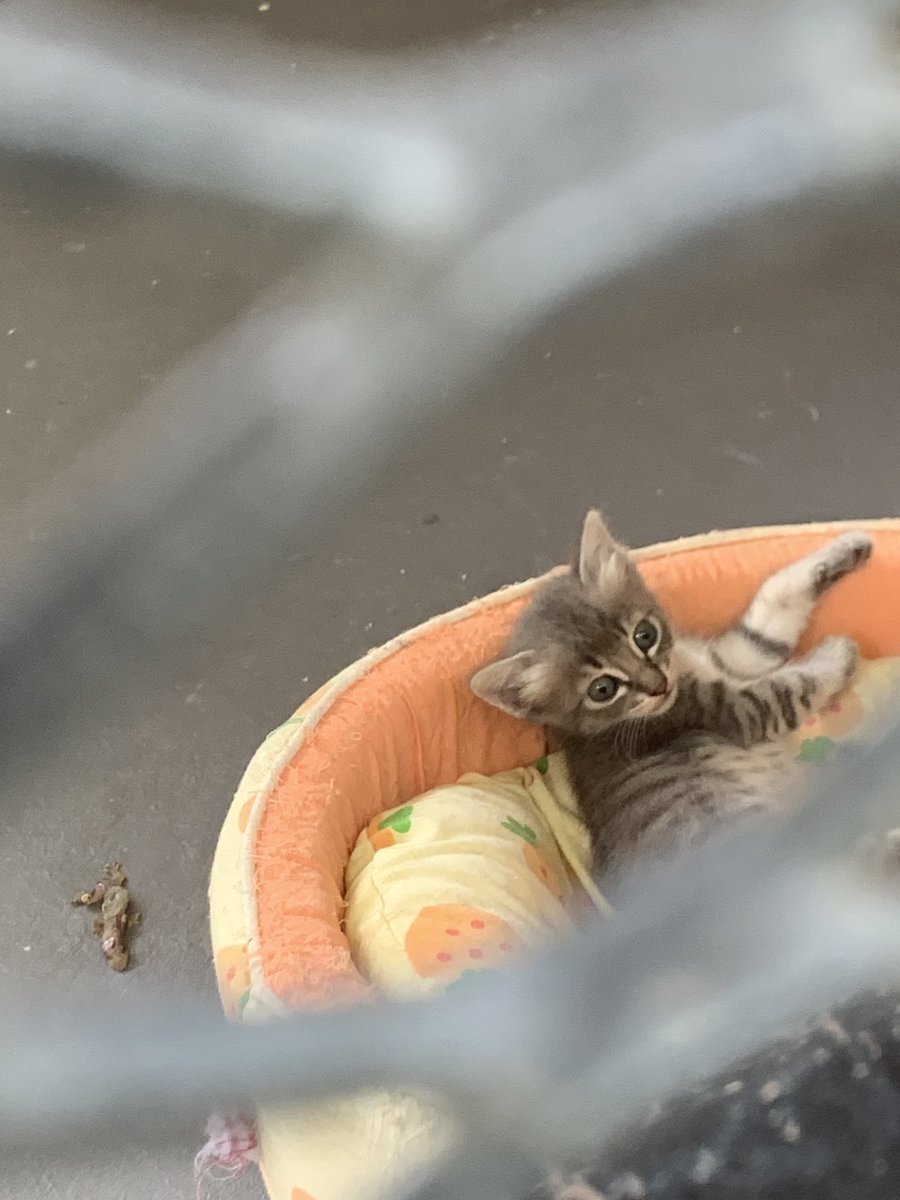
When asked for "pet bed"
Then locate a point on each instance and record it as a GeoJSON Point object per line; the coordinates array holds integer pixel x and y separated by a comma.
{"type": "Point", "coordinates": [402, 722]}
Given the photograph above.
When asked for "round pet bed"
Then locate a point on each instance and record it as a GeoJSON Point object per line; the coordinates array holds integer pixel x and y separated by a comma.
{"type": "Point", "coordinates": [401, 721]}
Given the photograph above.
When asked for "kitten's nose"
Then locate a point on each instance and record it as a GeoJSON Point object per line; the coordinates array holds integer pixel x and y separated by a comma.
{"type": "Point", "coordinates": [659, 687]}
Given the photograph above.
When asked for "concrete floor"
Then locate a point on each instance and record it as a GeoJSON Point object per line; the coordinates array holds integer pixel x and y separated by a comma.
{"type": "Point", "coordinates": [677, 403]}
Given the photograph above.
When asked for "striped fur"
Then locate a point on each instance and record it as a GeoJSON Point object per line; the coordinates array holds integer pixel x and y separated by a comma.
{"type": "Point", "coordinates": [667, 737]}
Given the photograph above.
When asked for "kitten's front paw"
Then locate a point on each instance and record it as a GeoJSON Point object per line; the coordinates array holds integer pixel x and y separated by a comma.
{"type": "Point", "coordinates": [845, 554]}
{"type": "Point", "coordinates": [834, 662]}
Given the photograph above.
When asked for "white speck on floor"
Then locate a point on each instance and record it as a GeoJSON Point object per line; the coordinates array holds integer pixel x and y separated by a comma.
{"type": "Point", "coordinates": [30, 364]}
{"type": "Point", "coordinates": [813, 411]}
{"type": "Point", "coordinates": [741, 456]}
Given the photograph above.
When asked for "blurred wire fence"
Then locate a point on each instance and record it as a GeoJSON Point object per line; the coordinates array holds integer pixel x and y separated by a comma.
{"type": "Point", "coordinates": [462, 198]}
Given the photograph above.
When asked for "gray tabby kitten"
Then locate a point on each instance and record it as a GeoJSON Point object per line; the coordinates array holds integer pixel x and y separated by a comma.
{"type": "Point", "coordinates": [667, 736]}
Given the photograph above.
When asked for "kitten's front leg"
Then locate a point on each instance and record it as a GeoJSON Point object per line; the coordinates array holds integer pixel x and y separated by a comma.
{"type": "Point", "coordinates": [767, 634]}
{"type": "Point", "coordinates": [803, 688]}
{"type": "Point", "coordinates": [767, 708]}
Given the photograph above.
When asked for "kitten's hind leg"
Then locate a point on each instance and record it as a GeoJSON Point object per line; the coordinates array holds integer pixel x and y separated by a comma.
{"type": "Point", "coordinates": [767, 634]}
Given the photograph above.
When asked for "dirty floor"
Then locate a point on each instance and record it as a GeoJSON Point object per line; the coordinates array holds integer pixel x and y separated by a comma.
{"type": "Point", "coordinates": [678, 404]}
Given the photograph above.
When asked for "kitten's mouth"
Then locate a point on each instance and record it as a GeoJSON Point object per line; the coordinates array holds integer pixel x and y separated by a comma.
{"type": "Point", "coordinates": [659, 704]}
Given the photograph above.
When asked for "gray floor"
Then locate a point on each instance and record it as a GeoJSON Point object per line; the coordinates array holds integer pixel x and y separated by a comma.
{"type": "Point", "coordinates": [678, 403]}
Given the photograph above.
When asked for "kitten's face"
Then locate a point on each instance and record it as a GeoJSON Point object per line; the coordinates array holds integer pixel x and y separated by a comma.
{"type": "Point", "coordinates": [591, 650]}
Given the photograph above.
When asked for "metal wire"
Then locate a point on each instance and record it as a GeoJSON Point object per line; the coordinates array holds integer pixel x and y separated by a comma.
{"type": "Point", "coordinates": [476, 199]}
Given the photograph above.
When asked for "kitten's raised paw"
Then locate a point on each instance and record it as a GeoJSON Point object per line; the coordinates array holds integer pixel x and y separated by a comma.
{"type": "Point", "coordinates": [844, 555]}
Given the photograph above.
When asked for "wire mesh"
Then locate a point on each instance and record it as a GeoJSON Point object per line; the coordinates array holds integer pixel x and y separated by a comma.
{"type": "Point", "coordinates": [473, 196]}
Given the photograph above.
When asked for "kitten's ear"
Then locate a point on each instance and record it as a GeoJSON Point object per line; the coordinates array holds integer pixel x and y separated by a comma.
{"type": "Point", "coordinates": [512, 684]}
{"type": "Point", "coordinates": [602, 562]}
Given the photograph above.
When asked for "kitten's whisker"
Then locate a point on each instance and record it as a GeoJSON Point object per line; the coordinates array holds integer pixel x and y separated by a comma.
{"type": "Point", "coordinates": [620, 738]}
{"type": "Point", "coordinates": [627, 737]}
{"type": "Point", "coordinates": [633, 737]}
{"type": "Point", "coordinates": [638, 734]}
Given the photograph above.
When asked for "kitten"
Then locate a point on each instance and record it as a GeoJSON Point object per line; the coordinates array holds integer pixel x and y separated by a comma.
{"type": "Point", "coordinates": [667, 737]}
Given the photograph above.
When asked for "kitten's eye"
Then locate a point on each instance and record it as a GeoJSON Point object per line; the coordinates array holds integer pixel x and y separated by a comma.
{"type": "Point", "coordinates": [645, 635]}
{"type": "Point", "coordinates": [602, 689]}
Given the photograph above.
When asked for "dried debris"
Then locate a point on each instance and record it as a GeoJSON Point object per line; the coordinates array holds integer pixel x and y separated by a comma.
{"type": "Point", "coordinates": [117, 914]}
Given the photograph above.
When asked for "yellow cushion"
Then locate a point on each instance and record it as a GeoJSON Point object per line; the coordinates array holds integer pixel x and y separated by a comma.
{"type": "Point", "coordinates": [460, 880]}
